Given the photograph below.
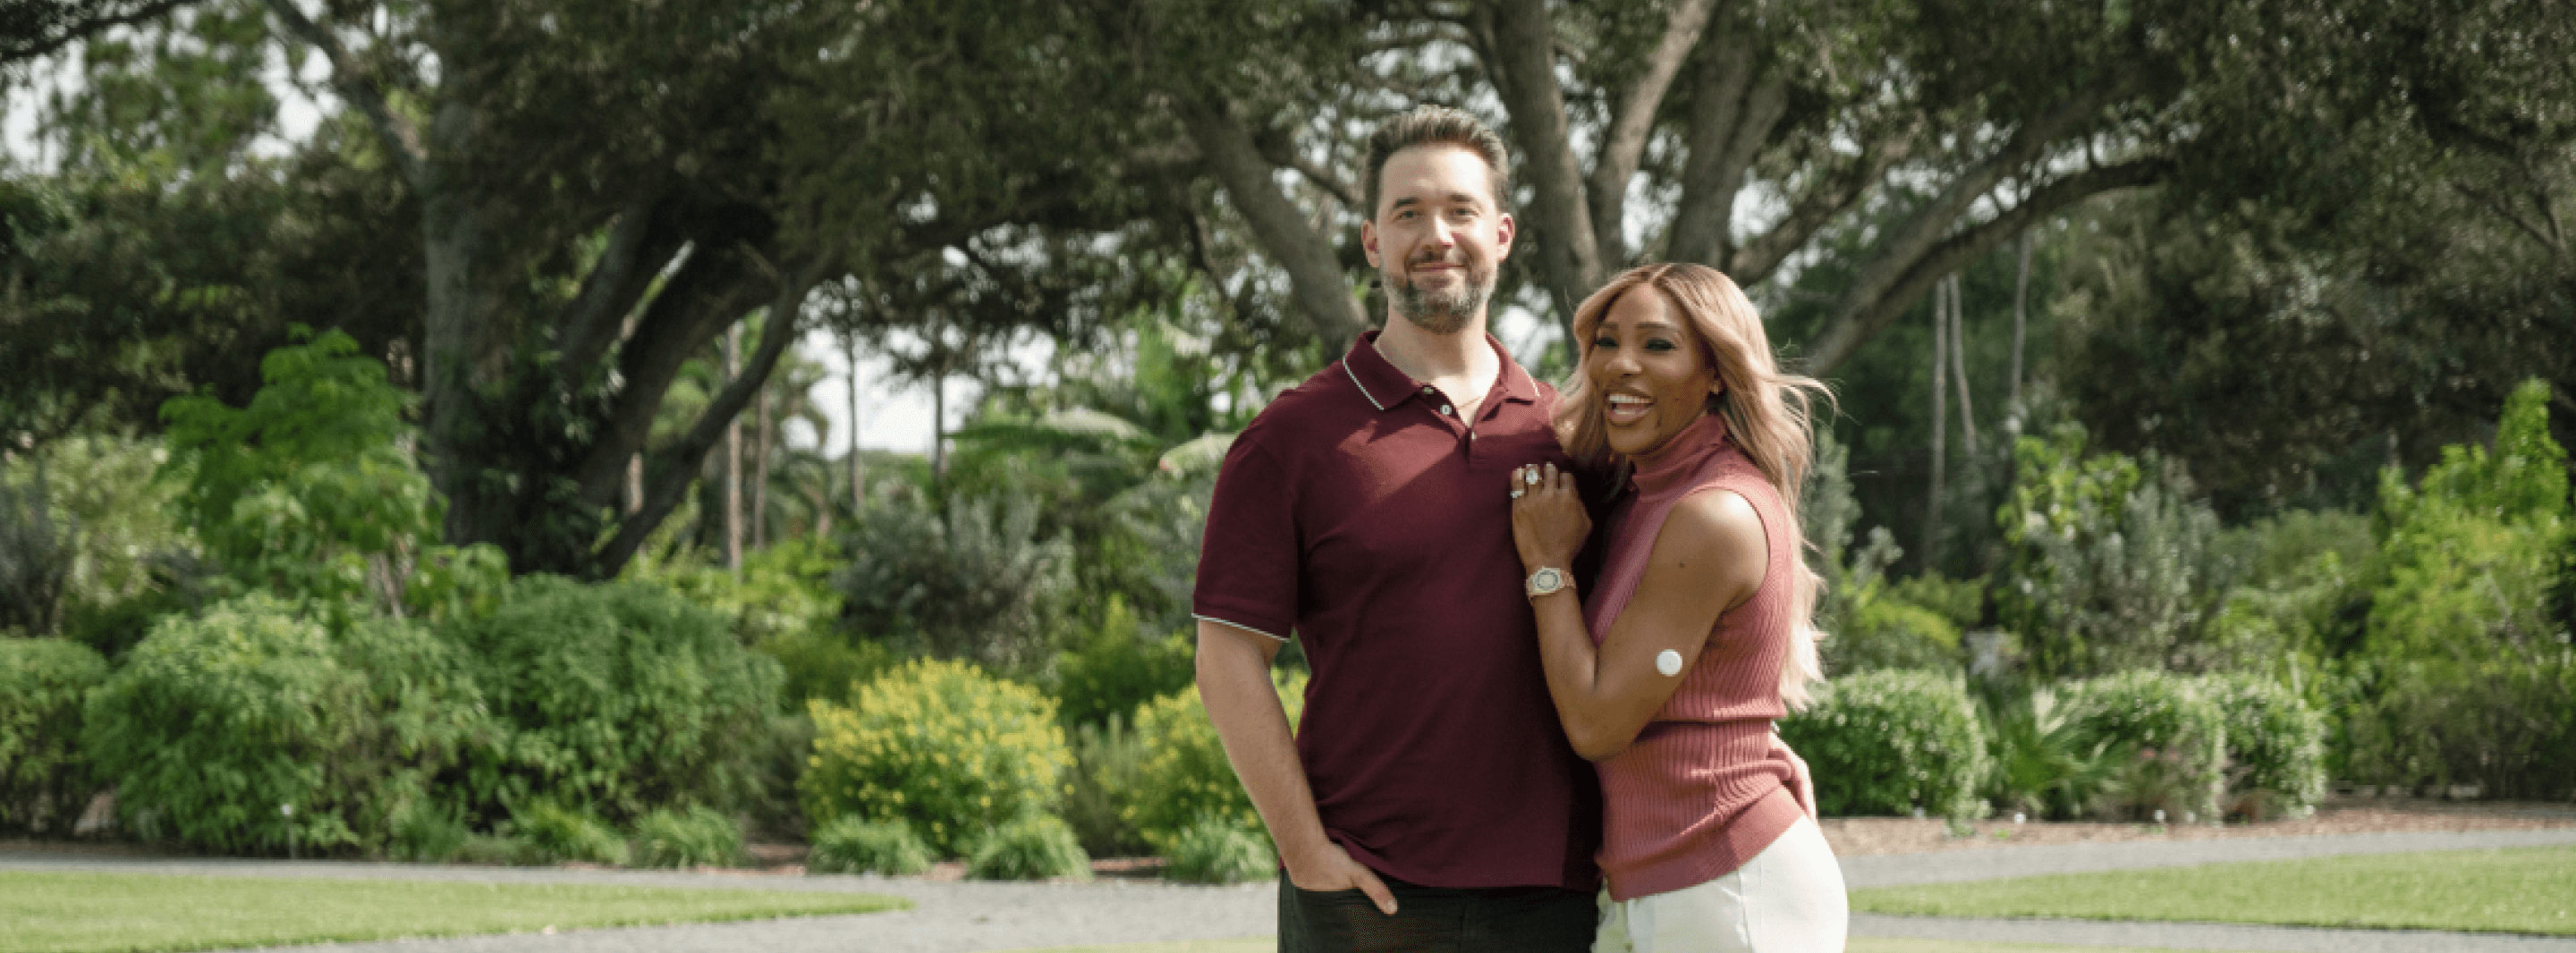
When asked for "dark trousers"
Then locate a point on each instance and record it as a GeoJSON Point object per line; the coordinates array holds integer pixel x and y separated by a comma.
{"type": "Point", "coordinates": [1436, 920]}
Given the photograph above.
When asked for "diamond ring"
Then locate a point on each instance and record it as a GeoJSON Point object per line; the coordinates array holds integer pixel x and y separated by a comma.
{"type": "Point", "coordinates": [1516, 494]}
{"type": "Point", "coordinates": [1531, 476]}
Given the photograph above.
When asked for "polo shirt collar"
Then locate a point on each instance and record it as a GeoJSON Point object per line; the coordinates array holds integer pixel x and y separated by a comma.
{"type": "Point", "coordinates": [1385, 386]}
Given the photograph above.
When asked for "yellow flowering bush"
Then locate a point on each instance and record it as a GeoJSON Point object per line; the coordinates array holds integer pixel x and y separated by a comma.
{"type": "Point", "coordinates": [1186, 778]}
{"type": "Point", "coordinates": [938, 744]}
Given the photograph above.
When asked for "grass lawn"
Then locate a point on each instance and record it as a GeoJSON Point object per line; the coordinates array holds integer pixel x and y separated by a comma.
{"type": "Point", "coordinates": [2523, 890]}
{"type": "Point", "coordinates": [1858, 945]}
{"type": "Point", "coordinates": [100, 913]}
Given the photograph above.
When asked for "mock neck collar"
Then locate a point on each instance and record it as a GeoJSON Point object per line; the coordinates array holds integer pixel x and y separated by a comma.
{"type": "Point", "coordinates": [1672, 465]}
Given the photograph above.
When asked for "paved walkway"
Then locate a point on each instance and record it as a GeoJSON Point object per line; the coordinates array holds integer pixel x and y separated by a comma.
{"type": "Point", "coordinates": [977, 917]}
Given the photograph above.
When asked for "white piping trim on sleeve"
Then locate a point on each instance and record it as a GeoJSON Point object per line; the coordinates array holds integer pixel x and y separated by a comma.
{"type": "Point", "coordinates": [1239, 625]}
{"type": "Point", "coordinates": [1372, 399]}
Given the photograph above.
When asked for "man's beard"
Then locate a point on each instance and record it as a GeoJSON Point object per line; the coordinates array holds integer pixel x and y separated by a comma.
{"type": "Point", "coordinates": [1439, 312]}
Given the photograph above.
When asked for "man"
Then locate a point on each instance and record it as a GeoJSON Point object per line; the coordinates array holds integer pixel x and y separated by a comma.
{"type": "Point", "coordinates": [1429, 800]}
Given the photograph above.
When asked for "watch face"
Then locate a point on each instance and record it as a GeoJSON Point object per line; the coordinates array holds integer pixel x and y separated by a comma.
{"type": "Point", "coordinates": [1546, 581]}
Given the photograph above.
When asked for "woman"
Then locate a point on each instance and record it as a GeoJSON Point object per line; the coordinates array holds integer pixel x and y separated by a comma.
{"type": "Point", "coordinates": [1669, 676]}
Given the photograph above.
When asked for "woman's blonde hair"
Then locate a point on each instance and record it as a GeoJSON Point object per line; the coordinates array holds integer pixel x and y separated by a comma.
{"type": "Point", "coordinates": [1768, 413]}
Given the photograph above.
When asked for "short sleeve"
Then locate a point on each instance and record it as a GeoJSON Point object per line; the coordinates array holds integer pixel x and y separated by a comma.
{"type": "Point", "coordinates": [1248, 558]}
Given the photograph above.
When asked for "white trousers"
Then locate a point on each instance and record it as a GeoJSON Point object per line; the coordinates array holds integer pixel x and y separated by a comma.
{"type": "Point", "coordinates": [1787, 899]}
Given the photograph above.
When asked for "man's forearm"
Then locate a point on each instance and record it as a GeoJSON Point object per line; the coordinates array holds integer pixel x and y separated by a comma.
{"type": "Point", "coordinates": [1234, 685]}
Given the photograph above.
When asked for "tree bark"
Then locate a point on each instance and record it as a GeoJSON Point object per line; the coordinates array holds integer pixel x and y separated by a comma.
{"type": "Point", "coordinates": [672, 470]}
{"type": "Point", "coordinates": [1633, 121]}
{"type": "Point", "coordinates": [1959, 365]}
{"type": "Point", "coordinates": [1523, 61]}
{"type": "Point", "coordinates": [732, 477]}
{"type": "Point", "coordinates": [1315, 276]}
{"type": "Point", "coordinates": [1940, 419]}
{"type": "Point", "coordinates": [2021, 310]}
{"type": "Point", "coordinates": [762, 436]}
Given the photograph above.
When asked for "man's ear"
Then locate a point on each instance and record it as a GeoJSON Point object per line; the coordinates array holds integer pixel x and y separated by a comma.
{"type": "Point", "coordinates": [1503, 232]}
{"type": "Point", "coordinates": [1368, 242]}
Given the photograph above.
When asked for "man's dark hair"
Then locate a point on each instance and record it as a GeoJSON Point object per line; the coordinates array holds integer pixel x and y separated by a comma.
{"type": "Point", "coordinates": [1439, 126]}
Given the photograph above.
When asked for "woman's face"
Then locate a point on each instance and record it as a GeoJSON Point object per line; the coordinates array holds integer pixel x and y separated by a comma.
{"type": "Point", "coordinates": [1650, 371]}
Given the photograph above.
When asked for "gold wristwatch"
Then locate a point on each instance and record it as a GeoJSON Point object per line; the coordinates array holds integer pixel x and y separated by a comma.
{"type": "Point", "coordinates": [1547, 580]}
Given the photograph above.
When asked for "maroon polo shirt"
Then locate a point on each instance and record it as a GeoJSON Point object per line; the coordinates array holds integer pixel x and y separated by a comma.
{"type": "Point", "coordinates": [1361, 513]}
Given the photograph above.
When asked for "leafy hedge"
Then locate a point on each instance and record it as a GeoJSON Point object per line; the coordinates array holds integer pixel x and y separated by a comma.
{"type": "Point", "coordinates": [216, 721]}
{"type": "Point", "coordinates": [620, 698]}
{"type": "Point", "coordinates": [2275, 747]}
{"type": "Point", "coordinates": [2173, 732]}
{"type": "Point", "coordinates": [2508, 727]}
{"type": "Point", "coordinates": [1186, 778]}
{"type": "Point", "coordinates": [938, 744]}
{"type": "Point", "coordinates": [1892, 742]}
{"type": "Point", "coordinates": [44, 778]}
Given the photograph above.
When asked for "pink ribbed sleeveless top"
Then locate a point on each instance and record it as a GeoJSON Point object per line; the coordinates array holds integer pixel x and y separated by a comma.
{"type": "Point", "coordinates": [1699, 792]}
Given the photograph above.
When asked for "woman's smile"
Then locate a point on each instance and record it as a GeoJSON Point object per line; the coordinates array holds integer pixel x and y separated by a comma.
{"type": "Point", "coordinates": [1652, 370]}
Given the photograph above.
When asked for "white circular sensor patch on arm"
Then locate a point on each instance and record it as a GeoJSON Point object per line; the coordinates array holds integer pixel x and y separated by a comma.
{"type": "Point", "coordinates": [1668, 662]}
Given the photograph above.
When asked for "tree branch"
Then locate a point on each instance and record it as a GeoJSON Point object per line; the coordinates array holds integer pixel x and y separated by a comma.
{"type": "Point", "coordinates": [40, 28]}
{"type": "Point", "coordinates": [1840, 190]}
{"type": "Point", "coordinates": [1315, 276]}
{"type": "Point", "coordinates": [1523, 64]}
{"type": "Point", "coordinates": [589, 322]}
{"type": "Point", "coordinates": [1633, 120]}
{"type": "Point", "coordinates": [364, 90]}
{"type": "Point", "coordinates": [1857, 317]}
{"type": "Point", "coordinates": [670, 472]}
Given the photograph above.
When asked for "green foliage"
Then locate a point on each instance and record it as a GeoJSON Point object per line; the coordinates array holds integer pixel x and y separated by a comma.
{"type": "Point", "coordinates": [687, 837]}
{"type": "Point", "coordinates": [2471, 554]}
{"type": "Point", "coordinates": [1106, 758]}
{"type": "Point", "coordinates": [430, 833]}
{"type": "Point", "coordinates": [969, 583]}
{"type": "Point", "coordinates": [2301, 574]}
{"type": "Point", "coordinates": [1892, 743]}
{"type": "Point", "coordinates": [2110, 559]}
{"type": "Point", "coordinates": [2504, 724]}
{"type": "Point", "coordinates": [1214, 850]}
{"type": "Point", "coordinates": [1029, 847]}
{"type": "Point", "coordinates": [131, 561]}
{"type": "Point", "coordinates": [44, 779]}
{"type": "Point", "coordinates": [2174, 735]}
{"type": "Point", "coordinates": [1116, 665]}
{"type": "Point", "coordinates": [309, 492]}
{"type": "Point", "coordinates": [940, 745]}
{"type": "Point", "coordinates": [2275, 747]}
{"type": "Point", "coordinates": [214, 721]}
{"type": "Point", "coordinates": [856, 845]}
{"type": "Point", "coordinates": [1880, 629]}
{"type": "Point", "coordinates": [619, 697]}
{"type": "Point", "coordinates": [782, 605]}
{"type": "Point", "coordinates": [1186, 778]}
{"type": "Point", "coordinates": [547, 831]}
{"type": "Point", "coordinates": [2050, 765]}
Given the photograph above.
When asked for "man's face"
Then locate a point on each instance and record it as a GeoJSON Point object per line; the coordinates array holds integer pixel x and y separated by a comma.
{"type": "Point", "coordinates": [1438, 236]}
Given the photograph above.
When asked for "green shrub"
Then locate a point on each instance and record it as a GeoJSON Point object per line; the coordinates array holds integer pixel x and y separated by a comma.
{"type": "Point", "coordinates": [690, 837]}
{"type": "Point", "coordinates": [1214, 850]}
{"type": "Point", "coordinates": [1029, 847]}
{"type": "Point", "coordinates": [1117, 665]}
{"type": "Point", "coordinates": [2175, 736]}
{"type": "Point", "coordinates": [37, 547]}
{"type": "Point", "coordinates": [2275, 747]}
{"type": "Point", "coordinates": [2472, 553]}
{"type": "Point", "coordinates": [430, 833]}
{"type": "Point", "coordinates": [1186, 778]}
{"type": "Point", "coordinates": [1882, 631]}
{"type": "Point", "coordinates": [1106, 759]}
{"type": "Point", "coordinates": [941, 745]}
{"type": "Point", "coordinates": [44, 780]}
{"type": "Point", "coordinates": [855, 845]}
{"type": "Point", "coordinates": [549, 832]}
{"type": "Point", "coordinates": [621, 697]}
{"type": "Point", "coordinates": [1892, 743]}
{"type": "Point", "coordinates": [2113, 563]}
{"type": "Point", "coordinates": [2049, 765]}
{"type": "Point", "coordinates": [969, 583]}
{"type": "Point", "coordinates": [217, 720]}
{"type": "Point", "coordinates": [2506, 726]}
{"type": "Point", "coordinates": [130, 562]}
